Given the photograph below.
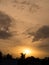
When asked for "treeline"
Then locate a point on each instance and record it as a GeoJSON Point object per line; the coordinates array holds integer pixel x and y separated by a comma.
{"type": "Point", "coordinates": [9, 60]}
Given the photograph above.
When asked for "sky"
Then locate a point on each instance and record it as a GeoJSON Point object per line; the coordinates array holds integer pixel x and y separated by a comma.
{"type": "Point", "coordinates": [24, 24]}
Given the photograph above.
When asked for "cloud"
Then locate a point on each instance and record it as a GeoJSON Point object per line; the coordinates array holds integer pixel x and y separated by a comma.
{"type": "Point", "coordinates": [31, 6]}
{"type": "Point", "coordinates": [43, 45]}
{"type": "Point", "coordinates": [5, 23]}
{"type": "Point", "coordinates": [38, 33]}
{"type": "Point", "coordinates": [5, 20]}
{"type": "Point", "coordinates": [39, 38]}
{"type": "Point", "coordinates": [5, 35]}
{"type": "Point", "coordinates": [41, 33]}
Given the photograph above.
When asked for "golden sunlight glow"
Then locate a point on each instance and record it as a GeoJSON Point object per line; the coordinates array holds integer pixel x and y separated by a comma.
{"type": "Point", "coordinates": [27, 51]}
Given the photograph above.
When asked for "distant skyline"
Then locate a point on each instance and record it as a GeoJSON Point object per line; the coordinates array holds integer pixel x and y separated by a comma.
{"type": "Point", "coordinates": [28, 22]}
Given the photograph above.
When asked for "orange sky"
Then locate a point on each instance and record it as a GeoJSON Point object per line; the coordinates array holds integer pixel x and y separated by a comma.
{"type": "Point", "coordinates": [28, 17]}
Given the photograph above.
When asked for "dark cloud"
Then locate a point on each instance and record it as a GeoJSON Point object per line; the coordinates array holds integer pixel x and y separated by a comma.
{"type": "Point", "coordinates": [5, 35]}
{"type": "Point", "coordinates": [44, 45]}
{"type": "Point", "coordinates": [41, 33]}
{"type": "Point", "coordinates": [5, 20]}
{"type": "Point", "coordinates": [5, 23]}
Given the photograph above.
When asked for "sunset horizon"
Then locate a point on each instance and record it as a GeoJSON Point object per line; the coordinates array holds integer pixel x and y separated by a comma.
{"type": "Point", "coordinates": [24, 27]}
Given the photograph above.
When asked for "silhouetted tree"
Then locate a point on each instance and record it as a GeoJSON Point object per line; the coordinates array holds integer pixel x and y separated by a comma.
{"type": "Point", "coordinates": [21, 61]}
{"type": "Point", "coordinates": [8, 57]}
{"type": "Point", "coordinates": [1, 55]}
{"type": "Point", "coordinates": [22, 56]}
{"type": "Point", "coordinates": [8, 60]}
